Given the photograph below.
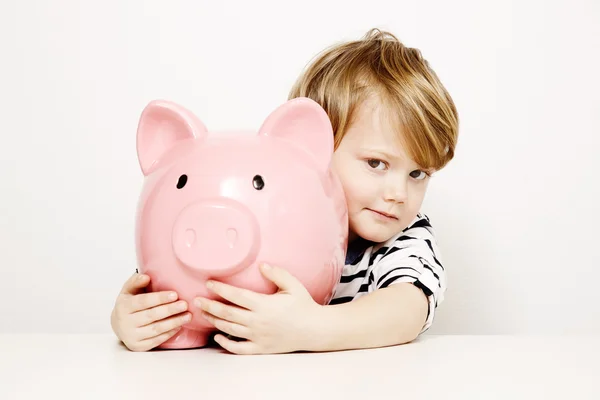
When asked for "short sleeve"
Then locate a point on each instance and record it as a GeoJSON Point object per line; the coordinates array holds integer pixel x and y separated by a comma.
{"type": "Point", "coordinates": [414, 257]}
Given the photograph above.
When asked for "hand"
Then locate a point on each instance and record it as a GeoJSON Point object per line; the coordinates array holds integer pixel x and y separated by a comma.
{"type": "Point", "coordinates": [278, 323]}
{"type": "Point", "coordinates": [143, 321]}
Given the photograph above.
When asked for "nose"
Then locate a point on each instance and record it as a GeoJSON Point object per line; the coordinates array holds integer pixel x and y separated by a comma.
{"type": "Point", "coordinates": [396, 190]}
{"type": "Point", "coordinates": [218, 237]}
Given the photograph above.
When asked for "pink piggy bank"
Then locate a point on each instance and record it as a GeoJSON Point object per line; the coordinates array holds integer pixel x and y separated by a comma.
{"type": "Point", "coordinates": [217, 205]}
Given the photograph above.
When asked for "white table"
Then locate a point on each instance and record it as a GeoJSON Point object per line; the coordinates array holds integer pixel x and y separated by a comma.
{"type": "Point", "coordinates": [437, 367]}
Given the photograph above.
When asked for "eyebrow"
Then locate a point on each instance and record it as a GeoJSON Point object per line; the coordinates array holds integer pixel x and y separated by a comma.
{"type": "Point", "coordinates": [383, 153]}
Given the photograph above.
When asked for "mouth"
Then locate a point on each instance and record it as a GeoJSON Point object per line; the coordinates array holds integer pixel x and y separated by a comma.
{"type": "Point", "coordinates": [384, 214]}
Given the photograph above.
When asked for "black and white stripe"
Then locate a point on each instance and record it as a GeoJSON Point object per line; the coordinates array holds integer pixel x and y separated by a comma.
{"type": "Point", "coordinates": [411, 256]}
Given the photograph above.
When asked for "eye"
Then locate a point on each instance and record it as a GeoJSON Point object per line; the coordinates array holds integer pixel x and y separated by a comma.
{"type": "Point", "coordinates": [373, 163]}
{"type": "Point", "coordinates": [258, 182]}
{"type": "Point", "coordinates": [182, 181]}
{"type": "Point", "coordinates": [419, 175]}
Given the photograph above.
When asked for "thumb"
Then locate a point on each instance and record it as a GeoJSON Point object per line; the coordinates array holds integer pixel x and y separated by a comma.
{"type": "Point", "coordinates": [282, 278]}
{"type": "Point", "coordinates": [135, 283]}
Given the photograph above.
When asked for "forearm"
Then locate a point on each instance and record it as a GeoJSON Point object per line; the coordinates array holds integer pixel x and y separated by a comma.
{"type": "Point", "coordinates": [385, 317]}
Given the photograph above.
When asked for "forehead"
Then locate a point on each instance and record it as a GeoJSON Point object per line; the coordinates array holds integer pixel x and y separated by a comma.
{"type": "Point", "coordinates": [377, 127]}
{"type": "Point", "coordinates": [232, 154]}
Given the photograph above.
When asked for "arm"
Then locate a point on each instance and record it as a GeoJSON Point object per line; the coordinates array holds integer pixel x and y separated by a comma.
{"type": "Point", "coordinates": [389, 300]}
{"type": "Point", "coordinates": [406, 282]}
{"type": "Point", "coordinates": [385, 317]}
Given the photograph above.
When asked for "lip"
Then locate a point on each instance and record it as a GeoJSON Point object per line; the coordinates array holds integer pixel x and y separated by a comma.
{"type": "Point", "coordinates": [384, 214]}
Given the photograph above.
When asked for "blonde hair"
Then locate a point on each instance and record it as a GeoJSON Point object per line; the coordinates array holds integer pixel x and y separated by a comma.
{"type": "Point", "coordinates": [342, 77]}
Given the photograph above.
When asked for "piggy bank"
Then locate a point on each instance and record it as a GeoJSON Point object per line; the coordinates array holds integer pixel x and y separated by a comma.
{"type": "Point", "coordinates": [215, 205]}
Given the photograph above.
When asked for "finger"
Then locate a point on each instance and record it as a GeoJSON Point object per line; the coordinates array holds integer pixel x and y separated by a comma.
{"type": "Point", "coordinates": [232, 346]}
{"type": "Point", "coordinates": [282, 278]}
{"type": "Point", "coordinates": [150, 343]}
{"type": "Point", "coordinates": [231, 328]}
{"type": "Point", "coordinates": [162, 326]}
{"type": "Point", "coordinates": [135, 283]}
{"type": "Point", "coordinates": [229, 313]}
{"type": "Point", "coordinates": [158, 313]}
{"type": "Point", "coordinates": [145, 301]}
{"type": "Point", "coordinates": [241, 297]}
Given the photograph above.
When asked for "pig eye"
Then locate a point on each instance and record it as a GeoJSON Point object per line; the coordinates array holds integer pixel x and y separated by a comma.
{"type": "Point", "coordinates": [258, 182]}
{"type": "Point", "coordinates": [182, 181]}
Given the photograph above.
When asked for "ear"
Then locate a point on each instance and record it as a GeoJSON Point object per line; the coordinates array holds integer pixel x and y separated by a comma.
{"type": "Point", "coordinates": [305, 123]}
{"type": "Point", "coordinates": [162, 125]}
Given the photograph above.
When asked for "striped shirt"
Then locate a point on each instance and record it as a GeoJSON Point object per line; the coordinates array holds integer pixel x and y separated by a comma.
{"type": "Point", "coordinates": [410, 256]}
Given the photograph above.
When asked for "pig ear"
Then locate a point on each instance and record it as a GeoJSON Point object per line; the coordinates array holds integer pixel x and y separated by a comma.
{"type": "Point", "coordinates": [305, 123]}
{"type": "Point", "coordinates": [162, 125]}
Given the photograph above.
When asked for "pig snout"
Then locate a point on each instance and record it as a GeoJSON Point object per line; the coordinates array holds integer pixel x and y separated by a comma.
{"type": "Point", "coordinates": [216, 237]}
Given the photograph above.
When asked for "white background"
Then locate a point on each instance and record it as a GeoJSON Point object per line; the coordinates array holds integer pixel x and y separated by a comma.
{"type": "Point", "coordinates": [516, 211]}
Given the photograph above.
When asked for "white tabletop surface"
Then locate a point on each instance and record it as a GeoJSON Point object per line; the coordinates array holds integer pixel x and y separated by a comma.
{"type": "Point", "coordinates": [440, 367]}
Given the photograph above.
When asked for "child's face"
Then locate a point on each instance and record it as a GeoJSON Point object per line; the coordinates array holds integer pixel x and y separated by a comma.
{"type": "Point", "coordinates": [378, 177]}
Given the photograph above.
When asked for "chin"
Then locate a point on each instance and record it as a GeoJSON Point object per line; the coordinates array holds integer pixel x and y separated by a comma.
{"type": "Point", "coordinates": [375, 234]}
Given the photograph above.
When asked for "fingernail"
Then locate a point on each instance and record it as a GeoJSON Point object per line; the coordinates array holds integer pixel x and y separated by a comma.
{"type": "Point", "coordinates": [209, 284]}
{"type": "Point", "coordinates": [172, 296]}
{"type": "Point", "coordinates": [266, 266]}
{"type": "Point", "coordinates": [198, 302]}
{"type": "Point", "coordinates": [187, 317]}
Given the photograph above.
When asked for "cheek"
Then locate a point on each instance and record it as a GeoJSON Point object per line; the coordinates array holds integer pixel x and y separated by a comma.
{"type": "Point", "coordinates": [355, 180]}
{"type": "Point", "coordinates": [357, 189]}
{"type": "Point", "coordinates": [416, 197]}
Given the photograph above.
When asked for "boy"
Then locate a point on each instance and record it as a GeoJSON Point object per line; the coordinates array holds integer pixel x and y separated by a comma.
{"type": "Point", "coordinates": [394, 125]}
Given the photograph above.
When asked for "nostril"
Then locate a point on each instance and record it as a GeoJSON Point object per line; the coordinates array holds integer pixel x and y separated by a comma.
{"type": "Point", "coordinates": [231, 236]}
{"type": "Point", "coordinates": [190, 237]}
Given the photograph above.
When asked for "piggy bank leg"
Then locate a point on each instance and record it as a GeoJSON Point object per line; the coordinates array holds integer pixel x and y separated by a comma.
{"type": "Point", "coordinates": [186, 339]}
